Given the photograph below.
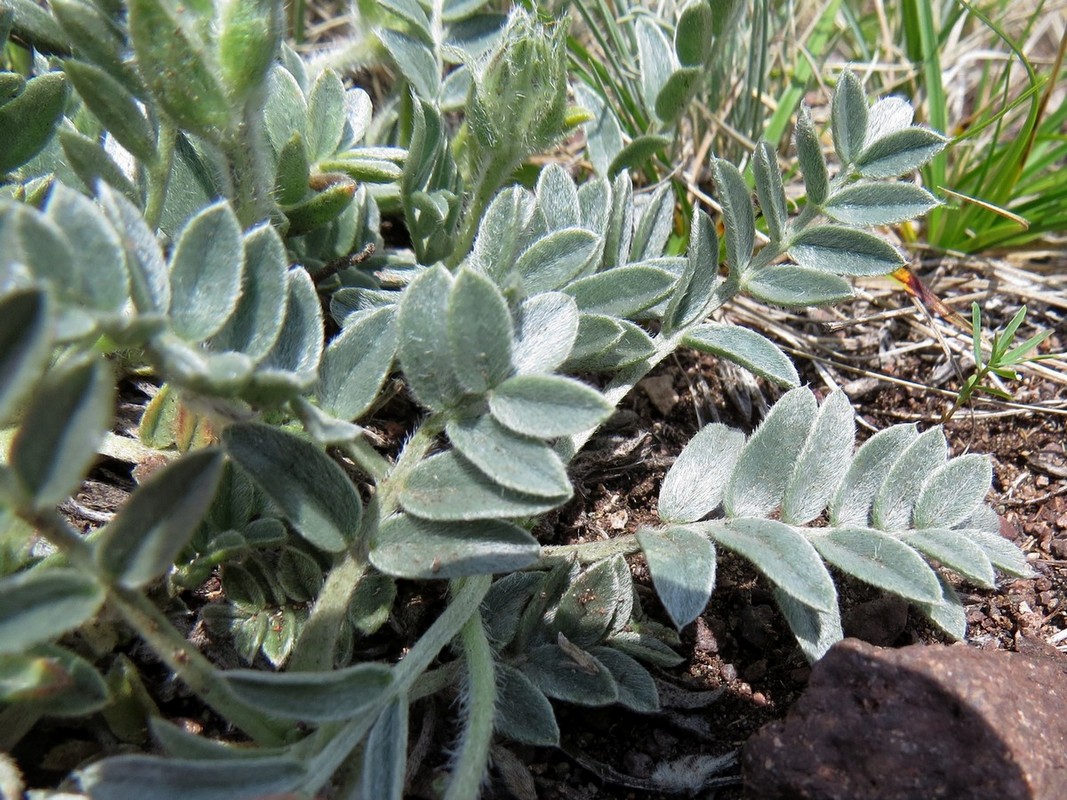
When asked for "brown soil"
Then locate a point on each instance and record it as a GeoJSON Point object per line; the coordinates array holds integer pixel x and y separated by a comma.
{"type": "Point", "coordinates": [742, 668]}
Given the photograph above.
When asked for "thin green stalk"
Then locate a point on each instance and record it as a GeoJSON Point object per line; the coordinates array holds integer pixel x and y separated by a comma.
{"type": "Point", "coordinates": [314, 649]}
{"type": "Point", "coordinates": [589, 552]}
{"type": "Point", "coordinates": [479, 704]}
{"type": "Point", "coordinates": [245, 149]}
{"type": "Point", "coordinates": [155, 629]}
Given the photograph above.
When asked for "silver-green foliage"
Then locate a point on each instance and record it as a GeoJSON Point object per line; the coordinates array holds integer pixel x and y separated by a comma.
{"type": "Point", "coordinates": [504, 296]}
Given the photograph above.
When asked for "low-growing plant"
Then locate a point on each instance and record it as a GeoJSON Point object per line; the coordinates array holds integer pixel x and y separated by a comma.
{"type": "Point", "coordinates": [191, 193]}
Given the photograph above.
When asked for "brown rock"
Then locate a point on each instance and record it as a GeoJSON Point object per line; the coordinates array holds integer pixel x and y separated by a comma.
{"type": "Point", "coordinates": [925, 721]}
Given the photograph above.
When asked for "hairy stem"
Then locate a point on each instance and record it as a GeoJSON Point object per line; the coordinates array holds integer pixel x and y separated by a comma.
{"type": "Point", "coordinates": [155, 629]}
{"type": "Point", "coordinates": [589, 552]}
{"type": "Point", "coordinates": [159, 173]}
{"type": "Point", "coordinates": [313, 651]}
{"type": "Point", "coordinates": [480, 705]}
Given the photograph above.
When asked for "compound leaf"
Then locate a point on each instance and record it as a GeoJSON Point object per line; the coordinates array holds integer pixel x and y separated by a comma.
{"type": "Point", "coordinates": [880, 560]}
{"type": "Point", "coordinates": [695, 484]}
{"type": "Point", "coordinates": [844, 251]}
{"type": "Point", "coordinates": [822, 463]}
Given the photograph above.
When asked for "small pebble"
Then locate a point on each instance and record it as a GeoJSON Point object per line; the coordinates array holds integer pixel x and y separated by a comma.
{"type": "Point", "coordinates": [728, 672]}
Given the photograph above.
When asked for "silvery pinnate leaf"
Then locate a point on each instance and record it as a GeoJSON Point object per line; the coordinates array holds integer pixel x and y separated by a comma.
{"type": "Point", "coordinates": [761, 475]}
{"type": "Point", "coordinates": [1004, 555]}
{"type": "Point", "coordinates": [594, 203]}
{"type": "Point", "coordinates": [769, 190]}
{"type": "Point", "coordinates": [385, 753]}
{"type": "Point", "coordinates": [899, 152]}
{"type": "Point", "coordinates": [522, 463]}
{"type": "Point", "coordinates": [790, 286]}
{"type": "Point", "coordinates": [115, 107]}
{"type": "Point", "coordinates": [815, 630]}
{"type": "Point", "coordinates": [24, 344]}
{"type": "Point", "coordinates": [312, 696]}
{"type": "Point", "coordinates": [900, 490]}
{"type": "Point", "coordinates": [547, 327]}
{"type": "Point", "coordinates": [479, 332]}
{"type": "Point", "coordinates": [309, 488]}
{"type": "Point", "coordinates": [523, 713]}
{"type": "Point", "coordinates": [547, 406]}
{"type": "Point", "coordinates": [622, 292]}
{"type": "Point", "coordinates": [955, 550]}
{"type": "Point", "coordinates": [411, 12]}
{"type": "Point", "coordinates": [130, 777]}
{"type": "Point", "coordinates": [618, 237]}
{"type": "Point", "coordinates": [298, 348]}
{"type": "Point", "coordinates": [782, 554]}
{"type": "Point", "coordinates": [948, 612]}
{"type": "Point", "coordinates": [694, 33]}
{"type": "Point", "coordinates": [61, 430]}
{"type": "Point", "coordinates": [637, 689]}
{"type": "Point", "coordinates": [888, 115]}
{"type": "Point", "coordinates": [28, 120]}
{"type": "Point", "coordinates": [256, 322]}
{"type": "Point", "coordinates": [674, 97]}
{"type": "Point", "coordinates": [37, 606]}
{"type": "Point", "coordinates": [811, 160]}
{"type": "Point", "coordinates": [738, 216]}
{"type": "Point", "coordinates": [409, 547]}
{"type": "Point", "coordinates": [636, 154]}
{"type": "Point", "coordinates": [844, 251]}
{"type": "Point", "coordinates": [149, 278]}
{"type": "Point", "coordinates": [557, 198]}
{"type": "Point", "coordinates": [655, 58]}
{"type": "Point", "coordinates": [695, 291]}
{"type": "Point", "coordinates": [654, 227]}
{"type": "Point", "coordinates": [415, 60]}
{"type": "Point", "coordinates": [682, 564]}
{"type": "Point", "coordinates": [603, 136]}
{"type": "Point", "coordinates": [745, 347]}
{"type": "Point", "coordinates": [172, 59]}
{"type": "Point", "coordinates": [285, 112]}
{"type": "Point", "coordinates": [556, 259]}
{"type": "Point", "coordinates": [588, 606]}
{"type": "Point", "coordinates": [952, 493]}
{"type": "Point", "coordinates": [851, 506]}
{"type": "Point", "coordinates": [694, 485]}
{"type": "Point", "coordinates": [849, 116]}
{"type": "Point", "coordinates": [446, 487]}
{"type": "Point", "coordinates": [571, 674]}
{"type": "Point", "coordinates": [632, 345]}
{"type": "Point", "coordinates": [206, 271]}
{"type": "Point", "coordinates": [504, 603]}
{"type": "Point", "coordinates": [99, 277]}
{"type": "Point", "coordinates": [822, 462]}
{"type": "Point", "coordinates": [147, 535]}
{"type": "Point", "coordinates": [501, 232]}
{"type": "Point", "coordinates": [357, 362]}
{"type": "Point", "coordinates": [879, 203]}
{"type": "Point", "coordinates": [423, 328]}
{"type": "Point", "coordinates": [880, 560]}
{"type": "Point", "coordinates": [94, 163]}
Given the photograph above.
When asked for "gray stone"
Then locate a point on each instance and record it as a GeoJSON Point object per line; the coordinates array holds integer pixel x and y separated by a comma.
{"type": "Point", "coordinates": [926, 721]}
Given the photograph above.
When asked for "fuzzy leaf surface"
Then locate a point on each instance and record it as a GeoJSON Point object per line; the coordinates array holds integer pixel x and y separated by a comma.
{"type": "Point", "coordinates": [745, 347]}
{"type": "Point", "coordinates": [695, 484]}
{"type": "Point", "coordinates": [951, 494]}
{"type": "Point", "coordinates": [518, 462]}
{"type": "Point", "coordinates": [311, 490]}
{"type": "Point", "coordinates": [311, 696]}
{"type": "Point", "coordinates": [789, 286]}
{"type": "Point", "coordinates": [738, 215]}
{"type": "Point", "coordinates": [822, 462]}
{"type": "Point", "coordinates": [357, 362]}
{"type": "Point", "coordinates": [682, 564]}
{"type": "Point", "coordinates": [523, 713]}
{"type": "Point", "coordinates": [758, 482]}
{"type": "Point", "coordinates": [141, 543]}
{"type": "Point", "coordinates": [547, 406]}
{"type": "Point", "coordinates": [24, 344]}
{"type": "Point", "coordinates": [134, 777]}
{"type": "Point", "coordinates": [899, 152]}
{"type": "Point", "coordinates": [447, 487]}
{"type": "Point", "coordinates": [409, 547]}
{"type": "Point", "coordinates": [38, 606]}
{"type": "Point", "coordinates": [782, 554]}
{"type": "Point", "coordinates": [871, 204]}
{"type": "Point", "coordinates": [547, 331]}
{"type": "Point", "coordinates": [851, 506]}
{"type": "Point", "coordinates": [844, 251]}
{"type": "Point", "coordinates": [880, 560]}
{"type": "Point", "coordinates": [479, 332]}
{"type": "Point", "coordinates": [899, 492]}
{"type": "Point", "coordinates": [557, 673]}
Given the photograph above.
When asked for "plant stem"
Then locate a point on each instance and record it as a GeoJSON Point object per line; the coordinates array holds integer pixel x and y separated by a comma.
{"type": "Point", "coordinates": [245, 150]}
{"type": "Point", "coordinates": [155, 629]}
{"type": "Point", "coordinates": [314, 649]}
{"type": "Point", "coordinates": [588, 552]}
{"type": "Point", "coordinates": [480, 705]}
